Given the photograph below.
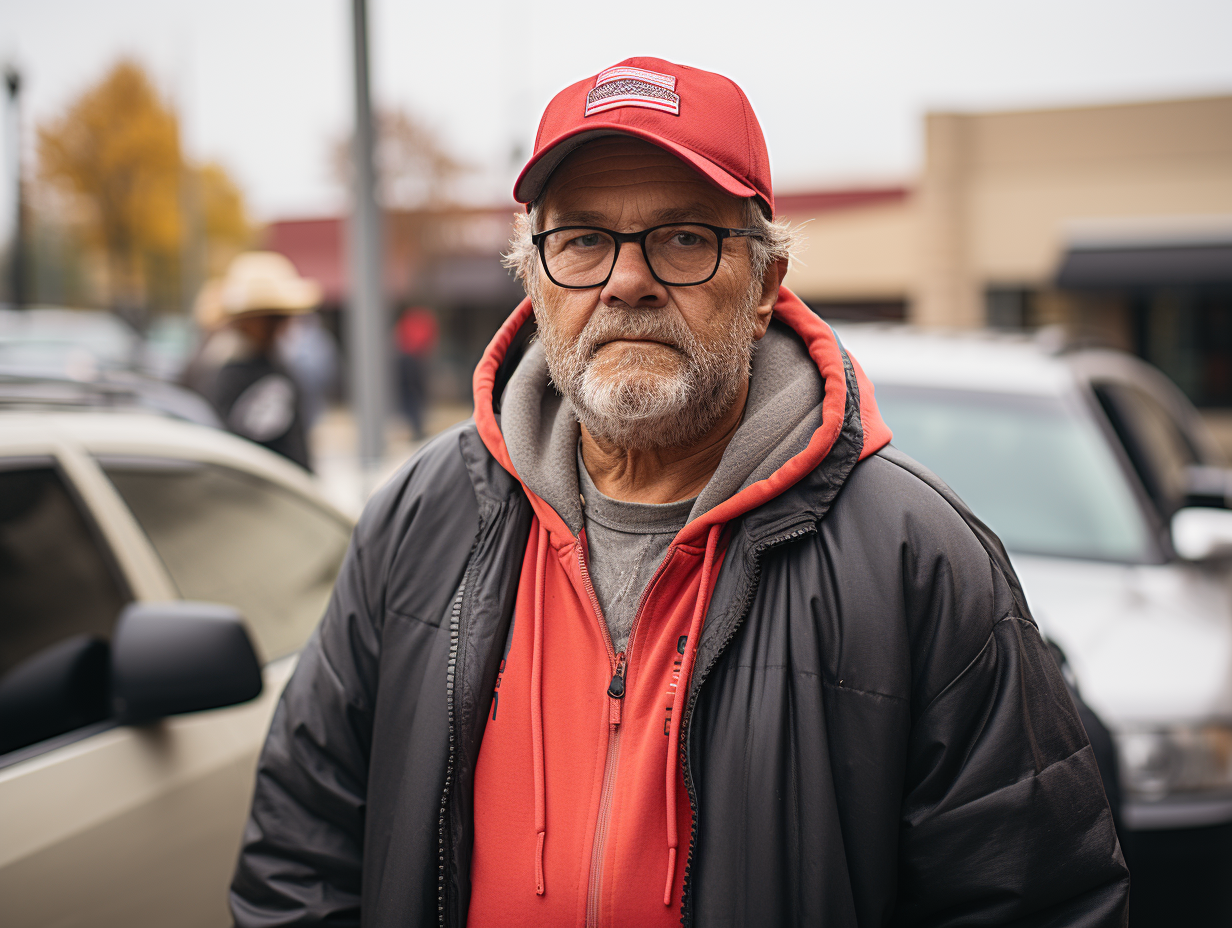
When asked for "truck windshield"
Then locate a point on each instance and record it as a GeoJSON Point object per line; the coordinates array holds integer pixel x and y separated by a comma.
{"type": "Point", "coordinates": [1040, 475]}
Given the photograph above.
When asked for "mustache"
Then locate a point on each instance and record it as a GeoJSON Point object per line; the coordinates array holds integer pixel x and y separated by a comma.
{"type": "Point", "coordinates": [613, 324]}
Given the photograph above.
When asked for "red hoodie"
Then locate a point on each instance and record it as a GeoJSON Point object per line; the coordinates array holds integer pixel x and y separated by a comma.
{"type": "Point", "coordinates": [581, 812]}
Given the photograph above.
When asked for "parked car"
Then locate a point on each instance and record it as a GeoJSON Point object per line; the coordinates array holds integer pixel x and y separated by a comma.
{"type": "Point", "coordinates": [110, 390]}
{"type": "Point", "coordinates": [84, 344]}
{"type": "Point", "coordinates": [1112, 498]}
{"type": "Point", "coordinates": [64, 342]}
{"type": "Point", "coordinates": [155, 576]}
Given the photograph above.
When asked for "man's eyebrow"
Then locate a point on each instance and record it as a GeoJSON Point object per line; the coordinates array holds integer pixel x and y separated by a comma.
{"type": "Point", "coordinates": [580, 217]}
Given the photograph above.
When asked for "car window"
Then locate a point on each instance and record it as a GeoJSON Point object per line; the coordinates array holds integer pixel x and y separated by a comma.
{"type": "Point", "coordinates": [60, 596]}
{"type": "Point", "coordinates": [232, 537]}
{"type": "Point", "coordinates": [56, 578]}
{"type": "Point", "coordinates": [1154, 443]}
{"type": "Point", "coordinates": [1040, 474]}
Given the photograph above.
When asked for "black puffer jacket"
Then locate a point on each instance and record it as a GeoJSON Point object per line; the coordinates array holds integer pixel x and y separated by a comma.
{"type": "Point", "coordinates": [874, 734]}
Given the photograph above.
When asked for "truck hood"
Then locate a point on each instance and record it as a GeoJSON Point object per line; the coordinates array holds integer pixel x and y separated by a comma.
{"type": "Point", "coordinates": [1149, 644]}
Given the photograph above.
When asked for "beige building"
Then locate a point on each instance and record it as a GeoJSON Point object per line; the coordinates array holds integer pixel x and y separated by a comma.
{"type": "Point", "coordinates": [1114, 221]}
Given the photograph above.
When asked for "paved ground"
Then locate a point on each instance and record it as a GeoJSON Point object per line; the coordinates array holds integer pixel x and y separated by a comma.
{"type": "Point", "coordinates": [335, 453]}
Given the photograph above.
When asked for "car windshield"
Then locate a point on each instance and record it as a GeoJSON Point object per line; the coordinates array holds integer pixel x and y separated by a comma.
{"type": "Point", "coordinates": [1039, 474]}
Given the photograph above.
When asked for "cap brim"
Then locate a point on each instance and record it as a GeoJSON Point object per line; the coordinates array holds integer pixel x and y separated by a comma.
{"type": "Point", "coordinates": [534, 177]}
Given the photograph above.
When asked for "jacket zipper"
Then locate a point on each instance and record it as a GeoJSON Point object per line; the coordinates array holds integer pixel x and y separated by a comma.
{"type": "Point", "coordinates": [615, 692]}
{"type": "Point", "coordinates": [444, 846]}
{"type": "Point", "coordinates": [443, 843]}
{"type": "Point", "coordinates": [686, 915]}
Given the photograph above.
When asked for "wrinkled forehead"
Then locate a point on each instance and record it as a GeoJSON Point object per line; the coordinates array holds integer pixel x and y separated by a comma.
{"type": "Point", "coordinates": [619, 177]}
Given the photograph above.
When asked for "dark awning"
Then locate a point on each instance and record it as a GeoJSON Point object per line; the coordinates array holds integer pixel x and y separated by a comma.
{"type": "Point", "coordinates": [1108, 266]}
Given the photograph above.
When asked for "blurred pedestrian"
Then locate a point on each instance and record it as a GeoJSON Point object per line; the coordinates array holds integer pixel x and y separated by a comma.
{"type": "Point", "coordinates": [206, 356]}
{"type": "Point", "coordinates": [310, 353]}
{"type": "Point", "coordinates": [416, 336]}
{"type": "Point", "coordinates": [239, 370]}
{"type": "Point", "coordinates": [669, 632]}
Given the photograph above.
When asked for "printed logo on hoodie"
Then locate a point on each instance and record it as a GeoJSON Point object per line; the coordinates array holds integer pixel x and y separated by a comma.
{"type": "Point", "coordinates": [671, 686]}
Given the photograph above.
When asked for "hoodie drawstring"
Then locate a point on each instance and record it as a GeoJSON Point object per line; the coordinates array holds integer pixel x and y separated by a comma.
{"type": "Point", "coordinates": [682, 685]}
{"type": "Point", "coordinates": [536, 709]}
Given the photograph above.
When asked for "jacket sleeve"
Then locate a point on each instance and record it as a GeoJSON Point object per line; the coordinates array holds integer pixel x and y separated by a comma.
{"type": "Point", "coordinates": [301, 855]}
{"type": "Point", "coordinates": [1005, 820]}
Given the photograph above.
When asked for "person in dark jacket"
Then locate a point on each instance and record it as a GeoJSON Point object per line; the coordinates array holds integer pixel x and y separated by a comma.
{"type": "Point", "coordinates": [669, 631]}
{"type": "Point", "coordinates": [237, 367]}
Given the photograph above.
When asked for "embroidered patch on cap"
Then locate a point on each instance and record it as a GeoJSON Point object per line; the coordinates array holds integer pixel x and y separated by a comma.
{"type": "Point", "coordinates": [633, 87]}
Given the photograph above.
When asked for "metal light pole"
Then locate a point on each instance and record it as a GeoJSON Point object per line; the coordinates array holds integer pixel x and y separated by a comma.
{"type": "Point", "coordinates": [17, 282]}
{"type": "Point", "coordinates": [369, 356]}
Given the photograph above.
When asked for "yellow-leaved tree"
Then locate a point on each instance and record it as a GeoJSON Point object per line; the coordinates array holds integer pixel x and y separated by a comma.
{"type": "Point", "coordinates": [223, 217]}
{"type": "Point", "coordinates": [115, 154]}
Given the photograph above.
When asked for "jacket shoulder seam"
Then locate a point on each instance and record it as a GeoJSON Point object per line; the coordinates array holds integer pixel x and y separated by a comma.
{"type": "Point", "coordinates": [1008, 617]}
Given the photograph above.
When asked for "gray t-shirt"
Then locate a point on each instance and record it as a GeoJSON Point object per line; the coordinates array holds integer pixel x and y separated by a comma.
{"type": "Point", "coordinates": [626, 543]}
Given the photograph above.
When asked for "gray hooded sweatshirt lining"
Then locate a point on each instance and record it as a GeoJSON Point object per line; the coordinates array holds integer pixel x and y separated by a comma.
{"type": "Point", "coordinates": [626, 540]}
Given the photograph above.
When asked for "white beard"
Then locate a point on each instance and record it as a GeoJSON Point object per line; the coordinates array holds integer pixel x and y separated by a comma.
{"type": "Point", "coordinates": [629, 400]}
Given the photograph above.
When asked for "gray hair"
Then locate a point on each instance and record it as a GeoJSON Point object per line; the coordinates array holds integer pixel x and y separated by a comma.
{"type": "Point", "coordinates": [775, 241]}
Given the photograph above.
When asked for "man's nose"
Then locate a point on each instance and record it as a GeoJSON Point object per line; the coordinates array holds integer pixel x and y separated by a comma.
{"type": "Point", "coordinates": [631, 282]}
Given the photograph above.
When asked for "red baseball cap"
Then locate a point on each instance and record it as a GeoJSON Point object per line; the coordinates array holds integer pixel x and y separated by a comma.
{"type": "Point", "coordinates": [701, 117]}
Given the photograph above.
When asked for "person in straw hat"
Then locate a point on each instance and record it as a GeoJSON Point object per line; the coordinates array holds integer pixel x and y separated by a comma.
{"type": "Point", "coordinates": [239, 371]}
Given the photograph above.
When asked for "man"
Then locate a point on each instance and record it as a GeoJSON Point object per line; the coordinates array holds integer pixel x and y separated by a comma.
{"type": "Point", "coordinates": [669, 631]}
{"type": "Point", "coordinates": [237, 367]}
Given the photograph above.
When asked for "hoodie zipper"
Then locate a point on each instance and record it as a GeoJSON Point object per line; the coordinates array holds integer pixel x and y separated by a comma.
{"type": "Point", "coordinates": [686, 914]}
{"type": "Point", "coordinates": [615, 691]}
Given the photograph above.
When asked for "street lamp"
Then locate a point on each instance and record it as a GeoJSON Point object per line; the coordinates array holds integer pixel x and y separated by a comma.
{"type": "Point", "coordinates": [366, 312]}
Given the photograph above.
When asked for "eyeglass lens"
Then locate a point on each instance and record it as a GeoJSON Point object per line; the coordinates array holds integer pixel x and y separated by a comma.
{"type": "Point", "coordinates": [678, 254]}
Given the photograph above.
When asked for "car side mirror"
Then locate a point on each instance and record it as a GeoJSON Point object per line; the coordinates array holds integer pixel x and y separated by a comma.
{"type": "Point", "coordinates": [176, 657]}
{"type": "Point", "coordinates": [1202, 534]}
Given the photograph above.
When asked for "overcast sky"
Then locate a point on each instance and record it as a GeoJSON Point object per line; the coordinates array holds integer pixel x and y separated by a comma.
{"type": "Point", "coordinates": [263, 85]}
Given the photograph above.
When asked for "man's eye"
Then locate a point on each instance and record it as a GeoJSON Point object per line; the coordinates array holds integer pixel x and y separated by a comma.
{"type": "Point", "coordinates": [589, 240]}
{"type": "Point", "coordinates": [686, 239]}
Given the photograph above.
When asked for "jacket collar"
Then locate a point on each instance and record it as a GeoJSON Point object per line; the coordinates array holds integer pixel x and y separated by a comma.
{"type": "Point", "coordinates": [851, 427]}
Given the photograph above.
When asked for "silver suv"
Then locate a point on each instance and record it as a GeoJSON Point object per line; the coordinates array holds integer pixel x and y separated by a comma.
{"type": "Point", "coordinates": [1112, 499]}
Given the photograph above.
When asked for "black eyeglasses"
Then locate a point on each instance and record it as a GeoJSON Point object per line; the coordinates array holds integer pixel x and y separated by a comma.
{"type": "Point", "coordinates": [679, 254]}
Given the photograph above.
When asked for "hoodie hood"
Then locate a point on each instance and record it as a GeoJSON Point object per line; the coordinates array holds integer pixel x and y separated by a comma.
{"type": "Point", "coordinates": [797, 400]}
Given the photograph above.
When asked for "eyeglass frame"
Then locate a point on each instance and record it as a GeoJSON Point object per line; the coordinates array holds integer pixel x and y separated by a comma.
{"type": "Point", "coordinates": [621, 238]}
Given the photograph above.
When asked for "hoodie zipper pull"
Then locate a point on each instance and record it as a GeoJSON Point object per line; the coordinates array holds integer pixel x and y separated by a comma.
{"type": "Point", "coordinates": [616, 690]}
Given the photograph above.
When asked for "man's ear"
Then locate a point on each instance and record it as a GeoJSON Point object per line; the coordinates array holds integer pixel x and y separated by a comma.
{"type": "Point", "coordinates": [770, 285]}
